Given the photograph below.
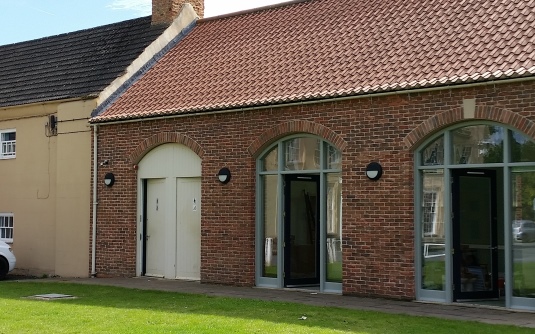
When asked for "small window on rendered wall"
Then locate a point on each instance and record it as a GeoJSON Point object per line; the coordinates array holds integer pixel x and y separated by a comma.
{"type": "Point", "coordinates": [6, 227]}
{"type": "Point", "coordinates": [7, 143]}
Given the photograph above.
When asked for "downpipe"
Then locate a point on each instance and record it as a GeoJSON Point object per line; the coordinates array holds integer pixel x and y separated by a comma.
{"type": "Point", "coordinates": [95, 204]}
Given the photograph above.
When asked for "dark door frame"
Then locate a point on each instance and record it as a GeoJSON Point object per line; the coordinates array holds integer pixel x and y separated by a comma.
{"type": "Point", "coordinates": [142, 236]}
{"type": "Point", "coordinates": [493, 291]}
{"type": "Point", "coordinates": [288, 279]}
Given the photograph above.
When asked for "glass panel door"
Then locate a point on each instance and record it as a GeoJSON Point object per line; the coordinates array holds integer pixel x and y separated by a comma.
{"type": "Point", "coordinates": [523, 230]}
{"type": "Point", "coordinates": [301, 230]}
{"type": "Point", "coordinates": [474, 234]}
{"type": "Point", "coordinates": [334, 228]}
{"type": "Point", "coordinates": [433, 230]}
{"type": "Point", "coordinates": [270, 211]}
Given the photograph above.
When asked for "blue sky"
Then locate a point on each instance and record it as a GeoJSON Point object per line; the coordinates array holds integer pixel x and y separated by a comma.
{"type": "Point", "coordinates": [23, 20]}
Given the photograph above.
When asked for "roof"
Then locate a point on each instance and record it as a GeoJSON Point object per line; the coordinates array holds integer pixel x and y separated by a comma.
{"type": "Point", "coordinates": [74, 65]}
{"type": "Point", "coordinates": [318, 49]}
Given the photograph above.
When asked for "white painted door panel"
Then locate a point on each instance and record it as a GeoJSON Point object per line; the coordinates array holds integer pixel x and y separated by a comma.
{"type": "Point", "coordinates": [155, 235]}
{"type": "Point", "coordinates": [188, 250]}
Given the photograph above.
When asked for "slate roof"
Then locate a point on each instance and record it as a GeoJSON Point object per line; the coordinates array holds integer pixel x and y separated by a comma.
{"type": "Point", "coordinates": [317, 49]}
{"type": "Point", "coordinates": [74, 65]}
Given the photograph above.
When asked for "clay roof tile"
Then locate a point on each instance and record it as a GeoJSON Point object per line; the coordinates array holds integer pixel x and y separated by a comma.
{"type": "Point", "coordinates": [328, 48]}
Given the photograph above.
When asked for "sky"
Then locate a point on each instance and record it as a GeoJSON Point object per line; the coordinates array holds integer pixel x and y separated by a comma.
{"type": "Point", "coordinates": [24, 20]}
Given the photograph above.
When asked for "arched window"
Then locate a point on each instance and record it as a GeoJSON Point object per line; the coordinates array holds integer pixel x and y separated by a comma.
{"type": "Point", "coordinates": [299, 232]}
{"type": "Point", "coordinates": [475, 187]}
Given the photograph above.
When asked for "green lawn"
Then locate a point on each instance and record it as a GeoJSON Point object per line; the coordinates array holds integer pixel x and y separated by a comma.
{"type": "Point", "coordinates": [100, 309]}
{"type": "Point", "coordinates": [524, 279]}
{"type": "Point", "coordinates": [334, 272]}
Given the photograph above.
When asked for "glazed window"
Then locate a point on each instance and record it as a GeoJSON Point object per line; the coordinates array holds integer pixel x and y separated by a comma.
{"type": "Point", "coordinates": [293, 154]}
{"type": "Point", "coordinates": [6, 227]}
{"type": "Point", "coordinates": [7, 141]}
{"type": "Point", "coordinates": [468, 174]}
{"type": "Point", "coordinates": [433, 154]}
{"type": "Point", "coordinates": [302, 154]}
{"type": "Point", "coordinates": [334, 159]}
{"type": "Point", "coordinates": [433, 233]}
{"type": "Point", "coordinates": [429, 212]}
{"type": "Point", "coordinates": [299, 195]}
{"type": "Point", "coordinates": [479, 144]}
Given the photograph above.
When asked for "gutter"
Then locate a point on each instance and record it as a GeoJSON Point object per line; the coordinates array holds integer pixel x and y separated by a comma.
{"type": "Point", "coordinates": [326, 100]}
{"type": "Point", "coordinates": [95, 204]}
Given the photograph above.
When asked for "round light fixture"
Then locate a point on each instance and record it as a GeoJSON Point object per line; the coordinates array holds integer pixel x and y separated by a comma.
{"type": "Point", "coordinates": [374, 171]}
{"type": "Point", "coordinates": [109, 179]}
{"type": "Point", "coordinates": [224, 175]}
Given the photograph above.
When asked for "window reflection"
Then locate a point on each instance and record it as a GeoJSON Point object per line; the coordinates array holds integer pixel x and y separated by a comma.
{"type": "Point", "coordinates": [271, 161]}
{"type": "Point", "coordinates": [433, 154]}
{"type": "Point", "coordinates": [302, 154]}
{"type": "Point", "coordinates": [334, 158]}
{"type": "Point", "coordinates": [522, 148]}
{"type": "Point", "coordinates": [478, 144]}
{"type": "Point", "coordinates": [523, 233]}
{"type": "Point", "coordinates": [334, 228]}
{"type": "Point", "coordinates": [271, 191]}
{"type": "Point", "coordinates": [433, 233]}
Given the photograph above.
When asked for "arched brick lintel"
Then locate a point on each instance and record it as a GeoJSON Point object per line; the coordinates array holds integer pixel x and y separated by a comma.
{"type": "Point", "coordinates": [292, 127]}
{"type": "Point", "coordinates": [163, 138]}
{"type": "Point", "coordinates": [456, 115]}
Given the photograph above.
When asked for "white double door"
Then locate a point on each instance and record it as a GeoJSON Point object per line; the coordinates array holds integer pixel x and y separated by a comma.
{"type": "Point", "coordinates": [172, 228]}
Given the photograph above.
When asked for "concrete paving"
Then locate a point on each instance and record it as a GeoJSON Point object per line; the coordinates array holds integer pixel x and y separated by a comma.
{"type": "Point", "coordinates": [456, 311]}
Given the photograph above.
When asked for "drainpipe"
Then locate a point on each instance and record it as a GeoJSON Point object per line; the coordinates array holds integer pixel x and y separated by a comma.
{"type": "Point", "coordinates": [94, 239]}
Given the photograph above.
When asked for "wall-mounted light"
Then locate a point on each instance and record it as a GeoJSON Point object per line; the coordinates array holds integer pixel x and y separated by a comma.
{"type": "Point", "coordinates": [224, 175]}
{"type": "Point", "coordinates": [374, 171]}
{"type": "Point", "coordinates": [109, 179]}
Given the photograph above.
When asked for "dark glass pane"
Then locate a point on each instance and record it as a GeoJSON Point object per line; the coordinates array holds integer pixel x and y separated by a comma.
{"type": "Point", "coordinates": [522, 148]}
{"type": "Point", "coordinates": [433, 154]}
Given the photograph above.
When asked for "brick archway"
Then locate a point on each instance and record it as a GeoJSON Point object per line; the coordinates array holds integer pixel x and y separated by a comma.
{"type": "Point", "coordinates": [288, 128]}
{"type": "Point", "coordinates": [163, 138]}
{"type": "Point", "coordinates": [487, 113]}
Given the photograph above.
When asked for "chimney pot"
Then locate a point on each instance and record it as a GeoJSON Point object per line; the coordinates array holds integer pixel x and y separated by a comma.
{"type": "Point", "coordinates": [165, 11]}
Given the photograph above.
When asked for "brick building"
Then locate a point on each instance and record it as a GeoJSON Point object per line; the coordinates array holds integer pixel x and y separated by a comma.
{"type": "Point", "coordinates": [349, 147]}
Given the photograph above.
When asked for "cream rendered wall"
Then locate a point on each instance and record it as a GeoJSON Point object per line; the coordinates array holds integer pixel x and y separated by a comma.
{"type": "Point", "coordinates": [28, 187]}
{"type": "Point", "coordinates": [73, 188]}
{"type": "Point", "coordinates": [47, 188]}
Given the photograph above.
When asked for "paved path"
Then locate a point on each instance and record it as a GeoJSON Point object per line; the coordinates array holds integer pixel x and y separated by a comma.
{"type": "Point", "coordinates": [455, 311]}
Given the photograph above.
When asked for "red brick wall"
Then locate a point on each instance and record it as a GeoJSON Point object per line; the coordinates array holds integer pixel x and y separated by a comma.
{"type": "Point", "coordinates": [378, 227]}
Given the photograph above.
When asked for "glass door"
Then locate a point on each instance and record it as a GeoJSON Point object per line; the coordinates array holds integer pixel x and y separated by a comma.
{"type": "Point", "coordinates": [301, 230]}
{"type": "Point", "coordinates": [475, 251]}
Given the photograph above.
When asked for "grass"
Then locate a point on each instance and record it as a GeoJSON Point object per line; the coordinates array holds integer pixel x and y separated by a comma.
{"type": "Point", "coordinates": [524, 279]}
{"type": "Point", "coordinates": [334, 272]}
{"type": "Point", "coordinates": [100, 309]}
{"type": "Point", "coordinates": [433, 272]}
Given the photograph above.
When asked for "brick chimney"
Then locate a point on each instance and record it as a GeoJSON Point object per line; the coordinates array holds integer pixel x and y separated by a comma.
{"type": "Point", "coordinates": [165, 11]}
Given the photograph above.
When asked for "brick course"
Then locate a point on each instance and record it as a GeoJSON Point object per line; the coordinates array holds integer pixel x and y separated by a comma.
{"type": "Point", "coordinates": [378, 219]}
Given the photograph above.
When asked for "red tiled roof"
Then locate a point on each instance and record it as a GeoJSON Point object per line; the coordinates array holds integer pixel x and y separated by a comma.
{"type": "Point", "coordinates": [330, 48]}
